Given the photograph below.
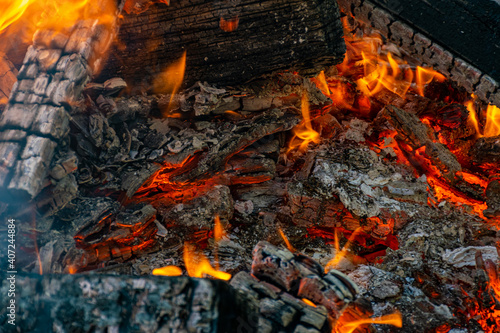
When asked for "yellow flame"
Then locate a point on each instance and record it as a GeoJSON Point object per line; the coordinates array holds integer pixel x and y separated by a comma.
{"type": "Point", "coordinates": [492, 123]}
{"type": "Point", "coordinates": [425, 76]}
{"type": "Point", "coordinates": [492, 126]}
{"type": "Point", "coordinates": [168, 271]}
{"type": "Point", "coordinates": [323, 85]}
{"type": "Point", "coordinates": [339, 255]}
{"type": "Point", "coordinates": [394, 319]}
{"type": "Point", "coordinates": [197, 265]}
{"type": "Point", "coordinates": [170, 80]}
{"type": "Point", "coordinates": [303, 132]}
{"type": "Point", "coordinates": [12, 11]}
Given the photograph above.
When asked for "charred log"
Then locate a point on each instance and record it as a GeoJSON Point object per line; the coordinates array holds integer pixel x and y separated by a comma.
{"type": "Point", "coordinates": [139, 304]}
{"type": "Point", "coordinates": [261, 37]}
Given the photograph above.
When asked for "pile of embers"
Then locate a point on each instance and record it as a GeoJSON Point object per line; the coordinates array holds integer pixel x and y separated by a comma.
{"type": "Point", "coordinates": [392, 180]}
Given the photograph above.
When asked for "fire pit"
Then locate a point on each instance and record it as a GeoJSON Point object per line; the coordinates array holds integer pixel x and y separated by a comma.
{"type": "Point", "coordinates": [237, 166]}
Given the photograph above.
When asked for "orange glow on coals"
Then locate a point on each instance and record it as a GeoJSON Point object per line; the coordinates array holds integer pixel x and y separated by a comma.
{"type": "Point", "coordinates": [303, 132]}
{"type": "Point", "coordinates": [344, 325]}
{"type": "Point", "coordinates": [197, 264]}
{"type": "Point", "coordinates": [442, 191]}
{"type": "Point", "coordinates": [229, 25]}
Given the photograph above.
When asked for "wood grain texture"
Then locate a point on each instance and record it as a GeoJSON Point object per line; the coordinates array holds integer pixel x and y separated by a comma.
{"type": "Point", "coordinates": [272, 35]}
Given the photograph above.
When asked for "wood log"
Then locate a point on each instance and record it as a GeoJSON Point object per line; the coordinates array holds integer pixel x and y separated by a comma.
{"type": "Point", "coordinates": [262, 37]}
{"type": "Point", "coordinates": [83, 303]}
{"type": "Point", "coordinates": [8, 76]}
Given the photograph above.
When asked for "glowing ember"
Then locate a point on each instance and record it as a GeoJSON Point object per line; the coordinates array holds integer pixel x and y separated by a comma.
{"type": "Point", "coordinates": [445, 192]}
{"type": "Point", "coordinates": [303, 132]}
{"type": "Point", "coordinates": [197, 265]}
{"type": "Point", "coordinates": [343, 326]}
{"type": "Point", "coordinates": [170, 80]}
{"type": "Point", "coordinates": [308, 302]}
{"type": "Point", "coordinates": [168, 271]}
{"type": "Point", "coordinates": [229, 25]}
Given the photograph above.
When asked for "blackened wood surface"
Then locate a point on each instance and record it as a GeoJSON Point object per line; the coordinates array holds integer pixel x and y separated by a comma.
{"type": "Point", "coordinates": [468, 28]}
{"type": "Point", "coordinates": [95, 303]}
{"type": "Point", "coordinates": [271, 35]}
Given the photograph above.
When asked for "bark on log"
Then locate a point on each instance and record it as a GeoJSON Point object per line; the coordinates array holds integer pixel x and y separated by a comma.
{"type": "Point", "coordinates": [84, 303]}
{"type": "Point", "coordinates": [271, 35]}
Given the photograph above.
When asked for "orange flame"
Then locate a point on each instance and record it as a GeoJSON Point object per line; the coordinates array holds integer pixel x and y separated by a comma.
{"type": "Point", "coordinates": [197, 265]}
{"type": "Point", "coordinates": [219, 231]}
{"type": "Point", "coordinates": [445, 192]}
{"type": "Point", "coordinates": [322, 84]}
{"type": "Point", "coordinates": [168, 271]}
{"type": "Point", "coordinates": [492, 126]}
{"type": "Point", "coordinates": [303, 132]}
{"type": "Point", "coordinates": [382, 69]}
{"type": "Point", "coordinates": [170, 80]}
{"type": "Point", "coordinates": [394, 319]}
{"type": "Point", "coordinates": [377, 75]}
{"type": "Point", "coordinates": [339, 255]}
{"type": "Point", "coordinates": [425, 76]}
{"type": "Point", "coordinates": [492, 123]}
{"type": "Point", "coordinates": [285, 239]}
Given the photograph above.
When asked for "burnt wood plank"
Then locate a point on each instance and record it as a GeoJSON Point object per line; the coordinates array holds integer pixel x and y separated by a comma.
{"type": "Point", "coordinates": [271, 35]}
{"type": "Point", "coordinates": [84, 303]}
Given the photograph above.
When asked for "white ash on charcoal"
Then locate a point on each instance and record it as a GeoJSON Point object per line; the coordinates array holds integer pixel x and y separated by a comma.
{"type": "Point", "coordinates": [354, 179]}
{"type": "Point", "coordinates": [281, 279]}
{"type": "Point", "coordinates": [426, 277]}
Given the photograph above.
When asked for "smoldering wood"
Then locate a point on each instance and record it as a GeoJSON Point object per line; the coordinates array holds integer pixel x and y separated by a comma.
{"type": "Point", "coordinates": [302, 277]}
{"type": "Point", "coordinates": [486, 150]}
{"type": "Point", "coordinates": [139, 304]}
{"type": "Point", "coordinates": [271, 35]}
{"type": "Point", "coordinates": [412, 132]}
